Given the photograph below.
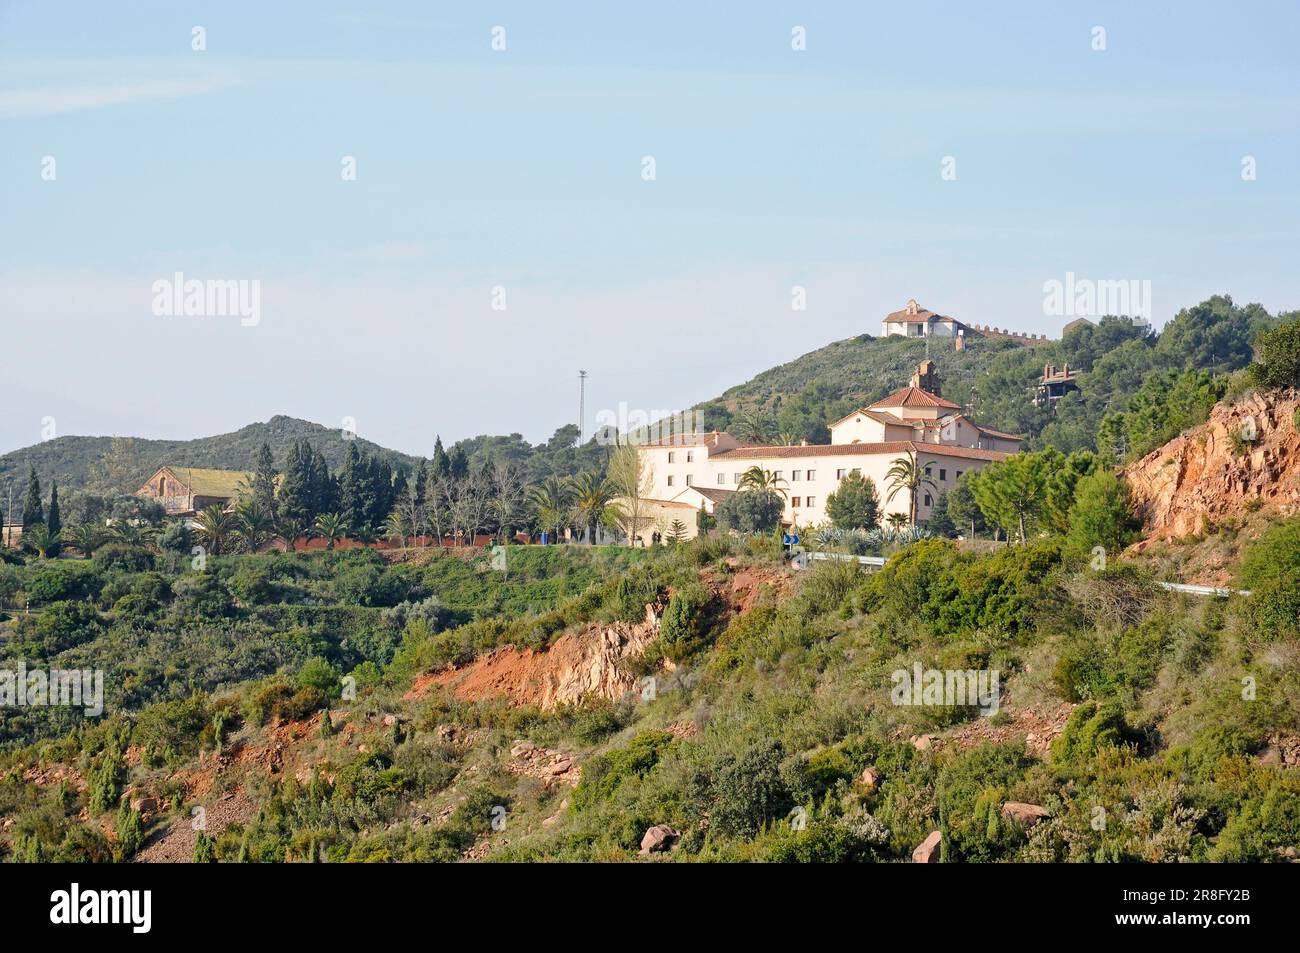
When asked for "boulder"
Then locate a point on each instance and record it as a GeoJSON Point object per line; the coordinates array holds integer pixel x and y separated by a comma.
{"type": "Point", "coordinates": [870, 779]}
{"type": "Point", "coordinates": [659, 838]}
{"type": "Point", "coordinates": [923, 742]}
{"type": "Point", "coordinates": [1027, 815]}
{"type": "Point", "coordinates": [927, 852]}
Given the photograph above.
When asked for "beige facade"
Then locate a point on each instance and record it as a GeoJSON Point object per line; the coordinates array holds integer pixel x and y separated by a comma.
{"type": "Point", "coordinates": [910, 421]}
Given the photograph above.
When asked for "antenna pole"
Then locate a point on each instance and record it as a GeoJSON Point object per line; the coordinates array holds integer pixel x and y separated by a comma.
{"type": "Point", "coordinates": [582, 403]}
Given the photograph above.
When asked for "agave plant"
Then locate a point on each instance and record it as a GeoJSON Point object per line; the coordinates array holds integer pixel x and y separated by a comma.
{"type": "Point", "coordinates": [216, 528]}
{"type": "Point", "coordinates": [331, 528]}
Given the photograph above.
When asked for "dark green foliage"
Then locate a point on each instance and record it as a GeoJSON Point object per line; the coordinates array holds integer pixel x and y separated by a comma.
{"type": "Point", "coordinates": [971, 790]}
{"type": "Point", "coordinates": [686, 621]}
{"type": "Point", "coordinates": [855, 504]}
{"type": "Point", "coordinates": [1279, 357]}
{"type": "Point", "coordinates": [1270, 569]}
{"type": "Point", "coordinates": [1092, 726]}
{"type": "Point", "coordinates": [750, 511]}
{"type": "Point", "coordinates": [33, 508]}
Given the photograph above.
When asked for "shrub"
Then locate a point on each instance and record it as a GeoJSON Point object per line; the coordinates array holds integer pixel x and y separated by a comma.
{"type": "Point", "coordinates": [750, 511]}
{"type": "Point", "coordinates": [971, 790]}
{"type": "Point", "coordinates": [1270, 568]}
{"type": "Point", "coordinates": [1091, 726]}
{"type": "Point", "coordinates": [686, 620]}
{"type": "Point", "coordinates": [1278, 351]}
{"type": "Point", "coordinates": [123, 558]}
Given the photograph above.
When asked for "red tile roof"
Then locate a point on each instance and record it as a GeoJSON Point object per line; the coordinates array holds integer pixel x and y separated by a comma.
{"type": "Point", "coordinates": [915, 397]}
{"type": "Point", "coordinates": [861, 450]}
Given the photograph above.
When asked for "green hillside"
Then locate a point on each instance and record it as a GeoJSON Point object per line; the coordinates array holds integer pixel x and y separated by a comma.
{"type": "Point", "coordinates": [115, 464]}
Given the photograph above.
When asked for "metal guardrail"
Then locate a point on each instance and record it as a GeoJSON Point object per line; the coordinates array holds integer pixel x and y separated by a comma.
{"type": "Point", "coordinates": [1203, 590]}
{"type": "Point", "coordinates": [801, 560]}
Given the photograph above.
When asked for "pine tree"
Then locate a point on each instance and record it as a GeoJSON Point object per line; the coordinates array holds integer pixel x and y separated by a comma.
{"type": "Point", "coordinates": [264, 474]}
{"type": "Point", "coordinates": [53, 519]}
{"type": "Point", "coordinates": [458, 463]}
{"type": "Point", "coordinates": [326, 724]}
{"type": "Point", "coordinates": [33, 510]}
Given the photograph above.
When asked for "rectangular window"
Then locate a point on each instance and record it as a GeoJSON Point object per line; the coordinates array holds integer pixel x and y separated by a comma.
{"type": "Point", "coordinates": [737, 479]}
{"type": "Point", "coordinates": [688, 479]}
{"type": "Point", "coordinates": [690, 456]}
{"type": "Point", "coordinates": [812, 474]}
{"type": "Point", "coordinates": [810, 501]}
{"type": "Point", "coordinates": [794, 475]}
{"type": "Point", "coordinates": [722, 478]}
{"type": "Point", "coordinates": [943, 475]}
{"type": "Point", "coordinates": [671, 456]}
{"type": "Point", "coordinates": [670, 481]}
{"type": "Point", "coordinates": [839, 474]}
{"type": "Point", "coordinates": [928, 501]}
{"type": "Point", "coordinates": [794, 501]}
{"type": "Point", "coordinates": [927, 470]}
{"type": "Point", "coordinates": [958, 477]}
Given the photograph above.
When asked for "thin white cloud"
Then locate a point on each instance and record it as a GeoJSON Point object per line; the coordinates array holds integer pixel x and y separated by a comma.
{"type": "Point", "coordinates": [24, 103]}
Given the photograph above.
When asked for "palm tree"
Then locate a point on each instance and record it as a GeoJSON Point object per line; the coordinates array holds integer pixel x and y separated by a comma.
{"type": "Point", "coordinates": [289, 531]}
{"type": "Point", "coordinates": [907, 474]}
{"type": "Point", "coordinates": [592, 495]}
{"type": "Point", "coordinates": [131, 534]}
{"type": "Point", "coordinates": [365, 533]}
{"type": "Point", "coordinates": [896, 520]}
{"type": "Point", "coordinates": [331, 528]}
{"type": "Point", "coordinates": [395, 528]}
{"type": "Point", "coordinates": [750, 426]}
{"type": "Point", "coordinates": [256, 525]}
{"type": "Point", "coordinates": [86, 538]}
{"type": "Point", "coordinates": [39, 538]}
{"type": "Point", "coordinates": [216, 527]}
{"type": "Point", "coordinates": [787, 438]}
{"type": "Point", "coordinates": [756, 478]}
{"type": "Point", "coordinates": [552, 503]}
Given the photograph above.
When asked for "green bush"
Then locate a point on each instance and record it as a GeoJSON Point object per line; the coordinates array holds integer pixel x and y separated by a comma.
{"type": "Point", "coordinates": [1091, 726]}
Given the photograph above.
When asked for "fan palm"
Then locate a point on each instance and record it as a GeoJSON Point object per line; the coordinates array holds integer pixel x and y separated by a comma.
{"type": "Point", "coordinates": [907, 474]}
{"type": "Point", "coordinates": [256, 525]}
{"type": "Point", "coordinates": [331, 528]}
{"type": "Point", "coordinates": [552, 503]}
{"type": "Point", "coordinates": [592, 495]}
{"type": "Point", "coordinates": [131, 533]}
{"type": "Point", "coordinates": [216, 528]}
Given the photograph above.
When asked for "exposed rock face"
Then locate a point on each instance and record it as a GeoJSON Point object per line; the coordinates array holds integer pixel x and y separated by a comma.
{"type": "Point", "coordinates": [659, 838]}
{"type": "Point", "coordinates": [927, 852]}
{"type": "Point", "coordinates": [578, 665]}
{"type": "Point", "coordinates": [1027, 815]}
{"type": "Point", "coordinates": [1201, 473]}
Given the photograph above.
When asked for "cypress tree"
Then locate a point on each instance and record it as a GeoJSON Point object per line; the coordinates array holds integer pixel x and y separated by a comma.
{"type": "Point", "coordinates": [33, 510]}
{"type": "Point", "coordinates": [441, 465]}
{"type": "Point", "coordinates": [421, 483]}
{"type": "Point", "coordinates": [296, 497]}
{"type": "Point", "coordinates": [324, 487]}
{"type": "Point", "coordinates": [53, 519]}
{"type": "Point", "coordinates": [353, 495]}
{"type": "Point", "coordinates": [264, 474]}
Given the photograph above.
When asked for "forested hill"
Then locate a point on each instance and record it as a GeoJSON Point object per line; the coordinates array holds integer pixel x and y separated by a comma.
{"type": "Point", "coordinates": [120, 464]}
{"type": "Point", "coordinates": [1130, 377]}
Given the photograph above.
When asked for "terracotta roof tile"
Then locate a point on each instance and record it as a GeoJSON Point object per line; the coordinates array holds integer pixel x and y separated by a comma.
{"type": "Point", "coordinates": [861, 450]}
{"type": "Point", "coordinates": [914, 397]}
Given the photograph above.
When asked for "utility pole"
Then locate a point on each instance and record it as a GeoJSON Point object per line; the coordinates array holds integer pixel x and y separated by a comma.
{"type": "Point", "coordinates": [582, 403]}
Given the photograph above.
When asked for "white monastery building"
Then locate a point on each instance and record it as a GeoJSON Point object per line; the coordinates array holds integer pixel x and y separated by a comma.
{"type": "Point", "coordinates": [695, 470]}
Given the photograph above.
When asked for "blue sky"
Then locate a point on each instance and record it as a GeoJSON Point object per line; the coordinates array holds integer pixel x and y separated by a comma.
{"type": "Point", "coordinates": [522, 169]}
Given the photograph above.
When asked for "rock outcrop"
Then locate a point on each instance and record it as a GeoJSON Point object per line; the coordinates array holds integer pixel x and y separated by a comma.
{"type": "Point", "coordinates": [581, 664]}
{"type": "Point", "coordinates": [659, 838]}
{"type": "Point", "coordinates": [927, 852]}
{"type": "Point", "coordinates": [1212, 472]}
{"type": "Point", "coordinates": [1026, 815]}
